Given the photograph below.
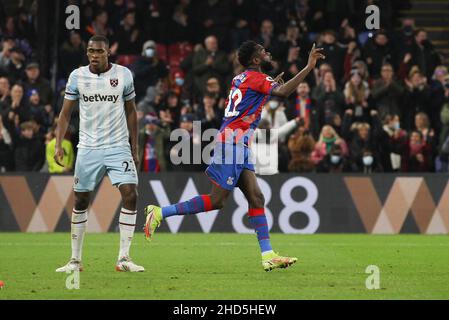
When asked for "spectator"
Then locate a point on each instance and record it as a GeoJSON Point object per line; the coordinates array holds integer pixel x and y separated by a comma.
{"type": "Point", "coordinates": [335, 161]}
{"type": "Point", "coordinates": [29, 153]}
{"type": "Point", "coordinates": [214, 17]}
{"type": "Point", "coordinates": [152, 139]}
{"type": "Point", "coordinates": [129, 37]}
{"type": "Point", "coordinates": [178, 86]}
{"type": "Point", "coordinates": [69, 154]}
{"type": "Point", "coordinates": [170, 110]}
{"type": "Point", "coordinates": [335, 54]}
{"type": "Point", "coordinates": [356, 94]}
{"type": "Point", "coordinates": [5, 148]}
{"type": "Point", "coordinates": [4, 91]}
{"type": "Point", "coordinates": [328, 138]}
{"type": "Point", "coordinates": [305, 107]}
{"type": "Point", "coordinates": [16, 107]}
{"type": "Point", "coordinates": [392, 126]}
{"type": "Point", "coordinates": [294, 54]}
{"type": "Point", "coordinates": [242, 11]}
{"type": "Point", "coordinates": [265, 145]}
{"type": "Point", "coordinates": [72, 54]}
{"type": "Point", "coordinates": [34, 81]}
{"type": "Point", "coordinates": [416, 154]}
{"type": "Point", "coordinates": [364, 150]}
{"type": "Point", "coordinates": [37, 111]}
{"type": "Point", "coordinates": [213, 88]}
{"type": "Point", "coordinates": [377, 53]}
{"type": "Point", "coordinates": [5, 55]}
{"type": "Point", "coordinates": [404, 39]}
{"type": "Point", "coordinates": [362, 69]}
{"type": "Point", "coordinates": [99, 26]}
{"type": "Point", "coordinates": [320, 72]}
{"type": "Point", "coordinates": [274, 113]}
{"type": "Point", "coordinates": [422, 124]}
{"type": "Point", "coordinates": [387, 93]}
{"type": "Point", "coordinates": [330, 100]}
{"type": "Point", "coordinates": [148, 70]}
{"type": "Point", "coordinates": [301, 146]}
{"type": "Point", "coordinates": [423, 54]}
{"type": "Point", "coordinates": [15, 68]}
{"type": "Point", "coordinates": [207, 63]}
{"type": "Point", "coordinates": [416, 97]}
{"type": "Point", "coordinates": [268, 39]}
{"type": "Point", "coordinates": [180, 27]}
{"type": "Point", "coordinates": [209, 113]}
{"type": "Point", "coordinates": [438, 87]}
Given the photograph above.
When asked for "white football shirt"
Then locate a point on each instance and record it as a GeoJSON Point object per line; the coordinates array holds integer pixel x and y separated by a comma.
{"type": "Point", "coordinates": [102, 105]}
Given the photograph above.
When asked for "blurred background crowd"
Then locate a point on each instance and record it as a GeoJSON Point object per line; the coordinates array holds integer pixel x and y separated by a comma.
{"type": "Point", "coordinates": [378, 103]}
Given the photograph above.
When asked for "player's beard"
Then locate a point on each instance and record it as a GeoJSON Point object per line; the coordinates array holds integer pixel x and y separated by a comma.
{"type": "Point", "coordinates": [266, 66]}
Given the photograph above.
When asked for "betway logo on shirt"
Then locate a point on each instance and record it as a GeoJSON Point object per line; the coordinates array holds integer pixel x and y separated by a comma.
{"type": "Point", "coordinates": [101, 98]}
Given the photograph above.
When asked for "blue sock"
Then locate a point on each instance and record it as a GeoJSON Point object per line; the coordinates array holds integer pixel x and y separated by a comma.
{"type": "Point", "coordinates": [258, 221]}
{"type": "Point", "coordinates": [195, 205]}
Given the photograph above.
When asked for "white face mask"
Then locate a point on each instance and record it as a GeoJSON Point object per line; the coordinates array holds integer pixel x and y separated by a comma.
{"type": "Point", "coordinates": [273, 104]}
{"type": "Point", "coordinates": [335, 159]}
{"type": "Point", "coordinates": [368, 160]}
{"type": "Point", "coordinates": [149, 53]}
{"type": "Point", "coordinates": [179, 81]}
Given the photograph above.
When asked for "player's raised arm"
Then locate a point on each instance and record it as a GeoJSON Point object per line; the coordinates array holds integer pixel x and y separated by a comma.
{"type": "Point", "coordinates": [61, 129]}
{"type": "Point", "coordinates": [290, 86]}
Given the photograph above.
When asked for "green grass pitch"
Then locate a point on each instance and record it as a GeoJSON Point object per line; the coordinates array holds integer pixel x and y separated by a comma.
{"type": "Point", "coordinates": [227, 266]}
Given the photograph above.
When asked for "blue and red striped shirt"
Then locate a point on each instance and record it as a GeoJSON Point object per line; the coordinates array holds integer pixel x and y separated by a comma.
{"type": "Point", "coordinates": [250, 91]}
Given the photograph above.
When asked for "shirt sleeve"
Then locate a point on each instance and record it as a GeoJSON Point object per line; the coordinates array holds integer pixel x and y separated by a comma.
{"type": "Point", "coordinates": [128, 90]}
{"type": "Point", "coordinates": [263, 84]}
{"type": "Point", "coordinates": [71, 89]}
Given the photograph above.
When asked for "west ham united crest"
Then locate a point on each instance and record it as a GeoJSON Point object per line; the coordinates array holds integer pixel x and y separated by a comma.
{"type": "Point", "coordinates": [114, 82]}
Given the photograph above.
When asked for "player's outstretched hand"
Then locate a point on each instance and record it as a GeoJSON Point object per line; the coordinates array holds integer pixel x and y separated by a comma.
{"type": "Point", "coordinates": [59, 155]}
{"type": "Point", "coordinates": [314, 55]}
{"type": "Point", "coordinates": [279, 79]}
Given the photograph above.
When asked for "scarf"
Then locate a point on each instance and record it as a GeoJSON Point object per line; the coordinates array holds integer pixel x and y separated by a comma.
{"type": "Point", "coordinates": [329, 143]}
{"type": "Point", "coordinates": [303, 110]}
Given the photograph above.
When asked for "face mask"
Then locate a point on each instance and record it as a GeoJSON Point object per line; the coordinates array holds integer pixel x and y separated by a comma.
{"type": "Point", "coordinates": [179, 81]}
{"type": "Point", "coordinates": [273, 104]}
{"type": "Point", "coordinates": [396, 126]}
{"type": "Point", "coordinates": [149, 53]}
{"type": "Point", "coordinates": [408, 30]}
{"type": "Point", "coordinates": [368, 161]}
{"type": "Point", "coordinates": [335, 159]}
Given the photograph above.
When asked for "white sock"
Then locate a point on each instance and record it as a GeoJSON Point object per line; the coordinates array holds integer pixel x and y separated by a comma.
{"type": "Point", "coordinates": [79, 224]}
{"type": "Point", "coordinates": [127, 224]}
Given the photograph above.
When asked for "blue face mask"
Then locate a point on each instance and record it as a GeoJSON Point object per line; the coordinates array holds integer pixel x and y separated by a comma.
{"type": "Point", "coordinates": [335, 159]}
{"type": "Point", "coordinates": [149, 53]}
{"type": "Point", "coordinates": [368, 161]}
{"type": "Point", "coordinates": [396, 126]}
{"type": "Point", "coordinates": [179, 81]}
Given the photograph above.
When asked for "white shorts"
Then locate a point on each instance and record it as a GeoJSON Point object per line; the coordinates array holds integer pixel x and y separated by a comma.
{"type": "Point", "coordinates": [92, 164]}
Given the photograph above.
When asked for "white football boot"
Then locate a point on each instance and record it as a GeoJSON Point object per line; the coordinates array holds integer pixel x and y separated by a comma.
{"type": "Point", "coordinates": [72, 265]}
{"type": "Point", "coordinates": [125, 264]}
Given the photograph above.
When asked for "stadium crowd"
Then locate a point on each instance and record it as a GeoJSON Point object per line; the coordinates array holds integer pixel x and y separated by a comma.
{"type": "Point", "coordinates": [378, 103]}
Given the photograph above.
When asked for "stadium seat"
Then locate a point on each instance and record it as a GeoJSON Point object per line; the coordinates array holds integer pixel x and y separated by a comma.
{"type": "Point", "coordinates": [162, 51]}
{"type": "Point", "coordinates": [126, 59]}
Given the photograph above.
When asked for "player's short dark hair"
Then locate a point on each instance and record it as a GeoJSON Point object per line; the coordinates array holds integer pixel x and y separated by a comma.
{"type": "Point", "coordinates": [246, 52]}
{"type": "Point", "coordinates": [99, 38]}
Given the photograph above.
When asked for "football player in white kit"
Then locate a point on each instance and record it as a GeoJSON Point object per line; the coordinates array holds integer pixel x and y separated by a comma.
{"type": "Point", "coordinates": [107, 144]}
